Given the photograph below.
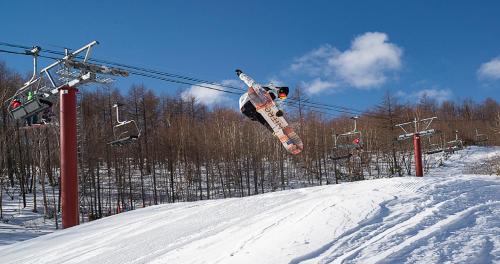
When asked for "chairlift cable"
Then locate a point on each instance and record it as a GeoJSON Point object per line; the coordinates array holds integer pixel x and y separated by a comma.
{"type": "Point", "coordinates": [351, 110]}
{"type": "Point", "coordinates": [327, 107]}
{"type": "Point", "coordinates": [291, 103]}
{"type": "Point", "coordinates": [306, 103]}
{"type": "Point", "coordinates": [12, 52]}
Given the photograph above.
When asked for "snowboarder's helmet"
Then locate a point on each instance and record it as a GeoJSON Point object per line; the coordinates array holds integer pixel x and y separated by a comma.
{"type": "Point", "coordinates": [283, 93]}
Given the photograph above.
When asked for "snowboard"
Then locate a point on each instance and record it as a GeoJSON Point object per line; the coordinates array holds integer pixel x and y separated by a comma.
{"type": "Point", "coordinates": [265, 105]}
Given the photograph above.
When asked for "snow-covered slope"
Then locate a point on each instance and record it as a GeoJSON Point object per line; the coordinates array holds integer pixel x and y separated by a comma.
{"type": "Point", "coordinates": [443, 217]}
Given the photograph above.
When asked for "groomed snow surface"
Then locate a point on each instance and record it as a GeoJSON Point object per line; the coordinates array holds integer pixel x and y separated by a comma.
{"type": "Point", "coordinates": [444, 217]}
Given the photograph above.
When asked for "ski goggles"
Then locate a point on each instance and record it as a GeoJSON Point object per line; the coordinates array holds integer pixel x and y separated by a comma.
{"type": "Point", "coordinates": [282, 96]}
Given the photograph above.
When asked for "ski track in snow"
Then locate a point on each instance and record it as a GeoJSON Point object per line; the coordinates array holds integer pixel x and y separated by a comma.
{"type": "Point", "coordinates": [444, 217]}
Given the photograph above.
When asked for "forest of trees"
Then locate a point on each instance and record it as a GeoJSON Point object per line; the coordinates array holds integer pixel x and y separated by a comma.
{"type": "Point", "coordinates": [189, 152]}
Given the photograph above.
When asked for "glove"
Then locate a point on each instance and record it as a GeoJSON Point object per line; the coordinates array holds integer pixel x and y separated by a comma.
{"type": "Point", "coordinates": [238, 72]}
{"type": "Point", "coordinates": [279, 113]}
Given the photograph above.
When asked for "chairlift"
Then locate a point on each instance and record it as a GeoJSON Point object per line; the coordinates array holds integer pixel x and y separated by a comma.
{"type": "Point", "coordinates": [480, 139]}
{"type": "Point", "coordinates": [434, 148]}
{"type": "Point", "coordinates": [454, 145]}
{"type": "Point", "coordinates": [347, 143]}
{"type": "Point", "coordinates": [30, 99]}
{"type": "Point", "coordinates": [124, 132]}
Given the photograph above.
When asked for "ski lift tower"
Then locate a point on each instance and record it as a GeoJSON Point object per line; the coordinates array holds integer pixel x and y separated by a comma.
{"type": "Point", "coordinates": [416, 139]}
{"type": "Point", "coordinates": [73, 70]}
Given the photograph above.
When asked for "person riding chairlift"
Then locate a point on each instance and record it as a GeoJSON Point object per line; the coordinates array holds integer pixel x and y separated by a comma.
{"type": "Point", "coordinates": [15, 104]}
{"type": "Point", "coordinates": [357, 143]}
{"type": "Point", "coordinates": [249, 110]}
{"type": "Point", "coordinates": [46, 114]}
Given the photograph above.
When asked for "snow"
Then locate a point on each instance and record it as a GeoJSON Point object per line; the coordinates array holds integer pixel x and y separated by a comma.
{"type": "Point", "coordinates": [444, 217]}
{"type": "Point", "coordinates": [19, 224]}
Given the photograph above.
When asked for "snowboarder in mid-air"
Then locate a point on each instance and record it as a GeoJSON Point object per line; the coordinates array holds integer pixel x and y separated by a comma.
{"type": "Point", "coordinates": [263, 104]}
{"type": "Point", "coordinates": [249, 110]}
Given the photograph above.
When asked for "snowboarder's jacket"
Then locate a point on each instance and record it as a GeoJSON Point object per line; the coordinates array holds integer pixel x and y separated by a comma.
{"type": "Point", "coordinates": [249, 110]}
{"type": "Point", "coordinates": [15, 104]}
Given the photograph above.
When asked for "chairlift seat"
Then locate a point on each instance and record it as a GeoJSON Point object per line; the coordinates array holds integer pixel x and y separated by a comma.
{"type": "Point", "coordinates": [449, 150]}
{"type": "Point", "coordinates": [347, 146]}
{"type": "Point", "coordinates": [481, 139]}
{"type": "Point", "coordinates": [340, 153]}
{"type": "Point", "coordinates": [30, 105]}
{"type": "Point", "coordinates": [434, 148]}
{"type": "Point", "coordinates": [124, 133]}
{"type": "Point", "coordinates": [453, 148]}
{"type": "Point", "coordinates": [456, 147]}
{"type": "Point", "coordinates": [434, 151]}
{"type": "Point", "coordinates": [18, 113]}
{"type": "Point", "coordinates": [28, 109]}
{"type": "Point", "coordinates": [123, 141]}
{"type": "Point", "coordinates": [341, 156]}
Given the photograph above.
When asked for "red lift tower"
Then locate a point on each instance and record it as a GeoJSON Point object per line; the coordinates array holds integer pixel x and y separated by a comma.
{"type": "Point", "coordinates": [38, 94]}
{"type": "Point", "coordinates": [74, 71]}
{"type": "Point", "coordinates": [416, 139]}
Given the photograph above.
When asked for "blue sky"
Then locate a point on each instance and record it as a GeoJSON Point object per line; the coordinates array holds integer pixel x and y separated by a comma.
{"type": "Point", "coordinates": [341, 52]}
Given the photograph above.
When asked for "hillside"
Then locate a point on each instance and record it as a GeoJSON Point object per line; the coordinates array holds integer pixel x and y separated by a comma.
{"type": "Point", "coordinates": [446, 216]}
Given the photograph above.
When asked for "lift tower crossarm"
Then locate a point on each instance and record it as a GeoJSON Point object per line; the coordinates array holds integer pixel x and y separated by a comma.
{"type": "Point", "coordinates": [425, 132]}
{"type": "Point", "coordinates": [70, 56]}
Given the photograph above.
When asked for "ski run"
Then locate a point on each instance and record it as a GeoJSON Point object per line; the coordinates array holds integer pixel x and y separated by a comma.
{"type": "Point", "coordinates": [447, 216]}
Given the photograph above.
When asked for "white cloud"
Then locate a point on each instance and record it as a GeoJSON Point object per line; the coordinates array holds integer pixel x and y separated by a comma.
{"type": "Point", "coordinates": [401, 94]}
{"type": "Point", "coordinates": [317, 86]}
{"type": "Point", "coordinates": [368, 60]}
{"type": "Point", "coordinates": [208, 96]}
{"type": "Point", "coordinates": [439, 95]}
{"type": "Point", "coordinates": [315, 62]}
{"type": "Point", "coordinates": [435, 94]}
{"type": "Point", "coordinates": [276, 81]}
{"type": "Point", "coordinates": [490, 70]}
{"type": "Point", "coordinates": [364, 65]}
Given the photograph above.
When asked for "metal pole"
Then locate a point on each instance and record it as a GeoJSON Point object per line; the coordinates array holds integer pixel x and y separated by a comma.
{"type": "Point", "coordinates": [418, 155]}
{"type": "Point", "coordinates": [69, 176]}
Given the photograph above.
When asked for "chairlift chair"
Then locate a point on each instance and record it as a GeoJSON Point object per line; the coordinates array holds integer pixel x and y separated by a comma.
{"type": "Point", "coordinates": [480, 139]}
{"type": "Point", "coordinates": [124, 132]}
{"type": "Point", "coordinates": [454, 145]}
{"type": "Point", "coordinates": [347, 143]}
{"type": "Point", "coordinates": [30, 99]}
{"type": "Point", "coordinates": [434, 148]}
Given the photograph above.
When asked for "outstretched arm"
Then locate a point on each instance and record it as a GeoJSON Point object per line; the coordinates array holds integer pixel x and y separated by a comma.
{"type": "Point", "coordinates": [251, 83]}
{"type": "Point", "coordinates": [245, 78]}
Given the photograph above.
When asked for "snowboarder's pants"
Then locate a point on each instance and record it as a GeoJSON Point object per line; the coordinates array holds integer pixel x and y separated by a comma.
{"type": "Point", "coordinates": [249, 110]}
